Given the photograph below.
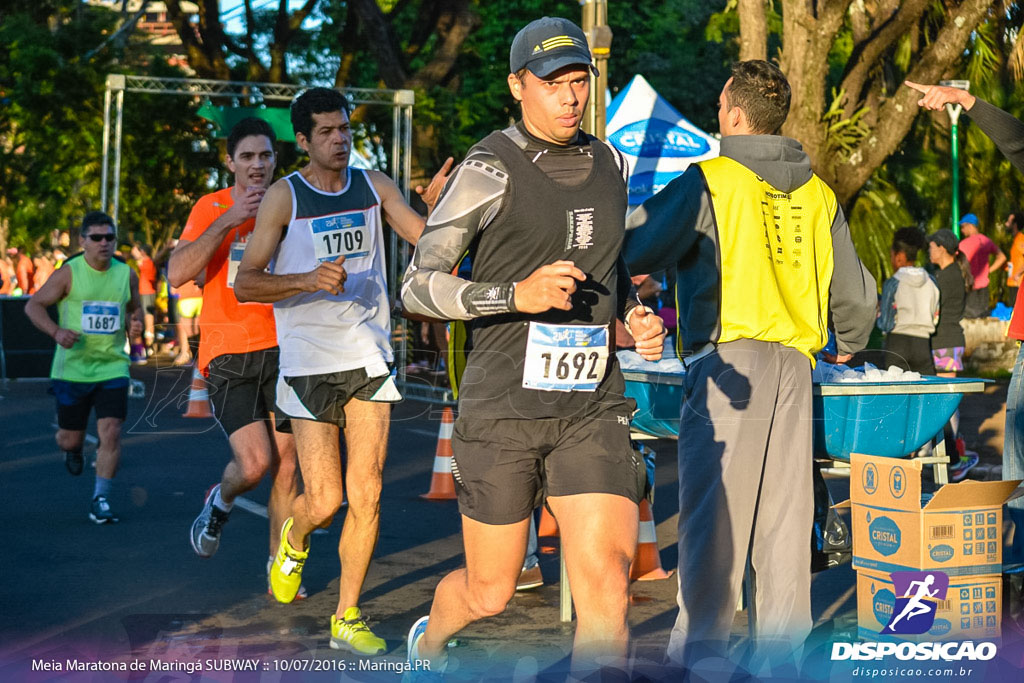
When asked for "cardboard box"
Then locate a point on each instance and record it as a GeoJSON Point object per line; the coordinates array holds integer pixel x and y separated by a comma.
{"type": "Point", "coordinates": [972, 609]}
{"type": "Point", "coordinates": [956, 530]}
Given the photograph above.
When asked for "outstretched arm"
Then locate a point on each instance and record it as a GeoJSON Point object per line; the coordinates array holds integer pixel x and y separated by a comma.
{"type": "Point", "coordinates": [1005, 130]}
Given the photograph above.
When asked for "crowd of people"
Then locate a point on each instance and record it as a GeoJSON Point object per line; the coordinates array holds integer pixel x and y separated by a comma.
{"type": "Point", "coordinates": [21, 274]}
{"type": "Point", "coordinates": [295, 343]}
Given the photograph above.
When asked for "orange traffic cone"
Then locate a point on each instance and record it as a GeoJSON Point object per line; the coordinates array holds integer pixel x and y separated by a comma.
{"type": "Point", "coordinates": [548, 525]}
{"type": "Point", "coordinates": [198, 397]}
{"type": "Point", "coordinates": [442, 483]}
{"type": "Point", "coordinates": [647, 561]}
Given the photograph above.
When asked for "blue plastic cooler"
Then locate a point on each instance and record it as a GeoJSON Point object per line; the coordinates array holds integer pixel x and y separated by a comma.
{"type": "Point", "coordinates": [889, 419]}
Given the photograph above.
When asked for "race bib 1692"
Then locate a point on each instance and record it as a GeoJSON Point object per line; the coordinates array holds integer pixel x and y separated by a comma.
{"type": "Point", "coordinates": [565, 357]}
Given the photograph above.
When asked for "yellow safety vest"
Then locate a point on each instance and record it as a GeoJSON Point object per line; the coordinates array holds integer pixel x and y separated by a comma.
{"type": "Point", "coordinates": [776, 256]}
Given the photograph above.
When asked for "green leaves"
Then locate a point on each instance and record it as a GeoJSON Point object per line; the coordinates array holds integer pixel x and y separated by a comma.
{"type": "Point", "coordinates": [51, 124]}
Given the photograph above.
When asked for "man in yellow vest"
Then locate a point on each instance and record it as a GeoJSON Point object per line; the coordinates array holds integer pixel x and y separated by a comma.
{"type": "Point", "coordinates": [763, 255]}
{"type": "Point", "coordinates": [97, 293]}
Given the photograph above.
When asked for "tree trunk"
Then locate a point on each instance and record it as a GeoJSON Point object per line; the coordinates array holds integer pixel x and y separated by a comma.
{"type": "Point", "coordinates": [753, 30]}
{"type": "Point", "coordinates": [897, 113]}
{"type": "Point", "coordinates": [454, 21]}
{"type": "Point", "coordinates": [804, 60]}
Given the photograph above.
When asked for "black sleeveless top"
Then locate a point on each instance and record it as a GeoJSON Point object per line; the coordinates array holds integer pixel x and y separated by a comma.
{"type": "Point", "coordinates": [542, 221]}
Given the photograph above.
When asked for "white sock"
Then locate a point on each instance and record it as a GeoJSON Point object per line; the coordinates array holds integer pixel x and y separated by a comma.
{"type": "Point", "coordinates": [221, 504]}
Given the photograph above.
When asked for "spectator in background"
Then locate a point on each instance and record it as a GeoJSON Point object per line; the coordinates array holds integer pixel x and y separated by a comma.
{"type": "Point", "coordinates": [8, 276]}
{"type": "Point", "coordinates": [190, 305]}
{"type": "Point", "coordinates": [1015, 269]}
{"type": "Point", "coordinates": [23, 268]}
{"type": "Point", "coordinates": [978, 248]}
{"type": "Point", "coordinates": [43, 264]}
{"type": "Point", "coordinates": [909, 309]}
{"type": "Point", "coordinates": [955, 281]}
{"type": "Point", "coordinates": [142, 255]}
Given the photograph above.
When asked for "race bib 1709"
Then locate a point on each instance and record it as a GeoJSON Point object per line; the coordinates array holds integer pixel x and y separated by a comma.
{"type": "Point", "coordinates": [101, 317]}
{"type": "Point", "coordinates": [565, 357]}
{"type": "Point", "coordinates": [343, 234]}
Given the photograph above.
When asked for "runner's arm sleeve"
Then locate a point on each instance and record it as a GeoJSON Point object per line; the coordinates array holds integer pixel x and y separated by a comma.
{"type": "Point", "coordinates": [852, 293]}
{"type": "Point", "coordinates": [467, 205]}
{"type": "Point", "coordinates": [1005, 130]}
{"type": "Point", "coordinates": [666, 227]}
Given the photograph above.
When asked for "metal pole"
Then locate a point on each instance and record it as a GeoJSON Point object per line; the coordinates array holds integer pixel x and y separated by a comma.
{"type": "Point", "coordinates": [106, 148]}
{"type": "Point", "coordinates": [397, 322]}
{"type": "Point", "coordinates": [954, 111]}
{"type": "Point", "coordinates": [954, 115]}
{"type": "Point", "coordinates": [403, 347]}
{"type": "Point", "coordinates": [119, 105]}
{"type": "Point", "coordinates": [599, 35]}
{"type": "Point", "coordinates": [407, 146]}
{"type": "Point", "coordinates": [396, 152]}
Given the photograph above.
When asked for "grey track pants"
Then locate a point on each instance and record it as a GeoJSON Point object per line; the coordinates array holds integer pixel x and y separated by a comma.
{"type": "Point", "coordinates": [745, 461]}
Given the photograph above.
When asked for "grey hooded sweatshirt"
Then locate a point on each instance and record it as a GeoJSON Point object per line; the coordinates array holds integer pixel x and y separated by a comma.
{"type": "Point", "coordinates": [677, 228]}
{"type": "Point", "coordinates": [910, 303]}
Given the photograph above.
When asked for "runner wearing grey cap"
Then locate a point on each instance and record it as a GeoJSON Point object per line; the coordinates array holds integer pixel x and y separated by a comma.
{"type": "Point", "coordinates": [541, 209]}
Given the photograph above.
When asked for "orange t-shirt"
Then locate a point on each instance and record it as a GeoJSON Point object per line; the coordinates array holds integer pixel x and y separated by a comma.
{"type": "Point", "coordinates": [225, 325]}
{"type": "Point", "coordinates": [147, 276]}
{"type": "Point", "coordinates": [25, 272]}
{"type": "Point", "coordinates": [1016, 261]}
{"type": "Point", "coordinates": [189, 290]}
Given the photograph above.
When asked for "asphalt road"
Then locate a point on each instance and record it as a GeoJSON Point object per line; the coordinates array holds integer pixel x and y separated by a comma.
{"type": "Point", "coordinates": [135, 594]}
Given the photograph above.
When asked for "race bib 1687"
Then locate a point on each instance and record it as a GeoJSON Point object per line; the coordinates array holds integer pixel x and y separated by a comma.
{"type": "Point", "coordinates": [101, 317]}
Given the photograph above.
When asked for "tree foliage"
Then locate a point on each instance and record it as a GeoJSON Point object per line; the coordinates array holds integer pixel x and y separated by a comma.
{"type": "Point", "coordinates": [454, 55]}
{"type": "Point", "coordinates": [846, 62]}
{"type": "Point", "coordinates": [51, 124]}
{"type": "Point", "coordinates": [845, 58]}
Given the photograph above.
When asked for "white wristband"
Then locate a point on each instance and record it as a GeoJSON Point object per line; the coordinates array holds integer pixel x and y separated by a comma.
{"type": "Point", "coordinates": [630, 315]}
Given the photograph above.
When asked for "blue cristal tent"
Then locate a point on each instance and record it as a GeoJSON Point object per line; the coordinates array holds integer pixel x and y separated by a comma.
{"type": "Point", "coordinates": [658, 141]}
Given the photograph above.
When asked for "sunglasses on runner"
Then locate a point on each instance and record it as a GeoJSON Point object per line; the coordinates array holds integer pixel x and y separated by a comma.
{"type": "Point", "coordinates": [108, 237]}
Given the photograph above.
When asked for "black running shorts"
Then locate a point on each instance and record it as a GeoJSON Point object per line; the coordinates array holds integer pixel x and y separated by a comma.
{"type": "Point", "coordinates": [242, 388]}
{"type": "Point", "coordinates": [322, 398]}
{"type": "Point", "coordinates": [504, 467]}
{"type": "Point", "coordinates": [76, 399]}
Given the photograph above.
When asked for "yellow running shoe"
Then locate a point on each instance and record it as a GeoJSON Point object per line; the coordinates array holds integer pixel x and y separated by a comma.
{"type": "Point", "coordinates": [286, 572]}
{"type": "Point", "coordinates": [351, 633]}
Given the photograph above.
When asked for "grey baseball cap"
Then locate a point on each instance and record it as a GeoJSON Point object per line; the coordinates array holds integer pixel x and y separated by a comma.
{"type": "Point", "coordinates": [548, 44]}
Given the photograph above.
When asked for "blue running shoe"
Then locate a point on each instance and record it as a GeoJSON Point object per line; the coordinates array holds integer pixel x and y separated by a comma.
{"type": "Point", "coordinates": [420, 671]}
